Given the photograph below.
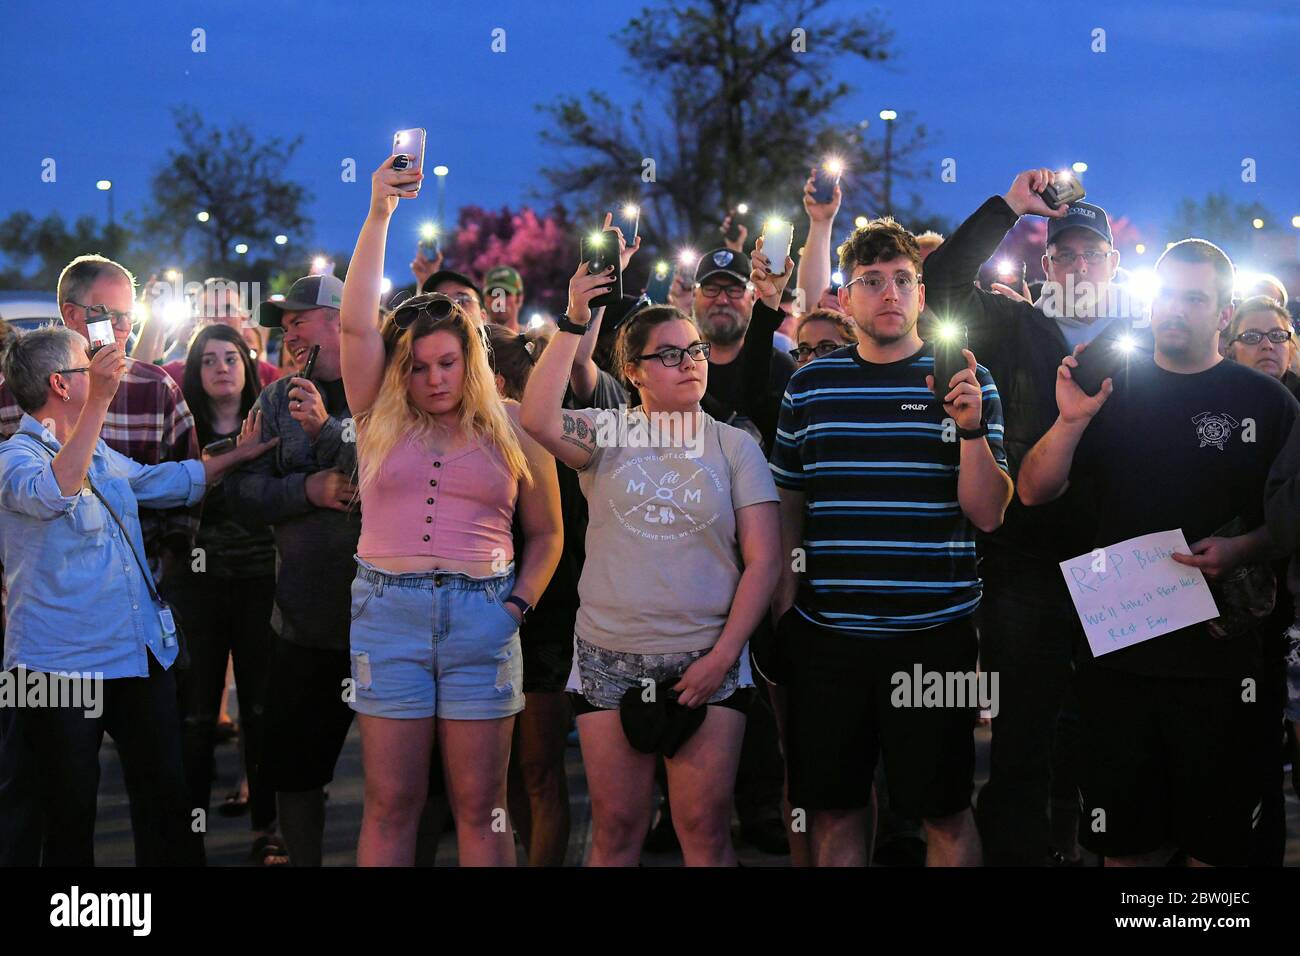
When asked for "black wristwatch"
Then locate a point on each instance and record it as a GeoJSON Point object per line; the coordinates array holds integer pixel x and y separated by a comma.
{"type": "Point", "coordinates": [565, 324]}
{"type": "Point", "coordinates": [973, 433]}
{"type": "Point", "coordinates": [524, 607]}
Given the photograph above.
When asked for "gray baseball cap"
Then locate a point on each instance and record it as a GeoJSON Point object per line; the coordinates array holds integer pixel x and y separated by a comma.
{"type": "Point", "coordinates": [309, 292]}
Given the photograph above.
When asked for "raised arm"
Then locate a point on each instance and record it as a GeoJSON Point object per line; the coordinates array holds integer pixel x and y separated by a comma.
{"type": "Point", "coordinates": [569, 436]}
{"type": "Point", "coordinates": [361, 349]}
{"type": "Point", "coordinates": [815, 263]}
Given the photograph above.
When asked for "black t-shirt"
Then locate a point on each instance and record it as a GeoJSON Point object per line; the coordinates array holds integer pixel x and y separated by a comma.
{"type": "Point", "coordinates": [725, 392]}
{"type": "Point", "coordinates": [1191, 452]}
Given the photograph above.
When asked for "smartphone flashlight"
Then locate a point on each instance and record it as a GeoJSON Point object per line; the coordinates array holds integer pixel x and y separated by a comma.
{"type": "Point", "coordinates": [687, 258]}
{"type": "Point", "coordinates": [661, 270]}
{"type": "Point", "coordinates": [826, 178]}
{"type": "Point", "coordinates": [777, 237]}
{"type": "Point", "coordinates": [632, 216]}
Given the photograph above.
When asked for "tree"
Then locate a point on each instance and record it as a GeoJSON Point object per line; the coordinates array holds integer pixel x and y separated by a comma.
{"type": "Point", "coordinates": [542, 248]}
{"type": "Point", "coordinates": [747, 110]}
{"type": "Point", "coordinates": [46, 246]}
{"type": "Point", "coordinates": [1218, 219]}
{"type": "Point", "coordinates": [234, 177]}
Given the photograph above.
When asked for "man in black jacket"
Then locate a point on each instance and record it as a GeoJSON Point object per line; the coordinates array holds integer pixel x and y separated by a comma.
{"type": "Point", "coordinates": [1027, 621]}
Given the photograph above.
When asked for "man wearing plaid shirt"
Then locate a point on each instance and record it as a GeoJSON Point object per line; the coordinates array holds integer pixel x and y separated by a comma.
{"type": "Point", "coordinates": [149, 422]}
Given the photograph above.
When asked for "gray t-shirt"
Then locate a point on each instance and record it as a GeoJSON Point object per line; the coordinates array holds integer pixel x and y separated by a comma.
{"type": "Point", "coordinates": [663, 559]}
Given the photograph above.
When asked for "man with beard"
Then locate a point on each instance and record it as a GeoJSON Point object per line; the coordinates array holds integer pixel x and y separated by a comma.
{"type": "Point", "coordinates": [740, 387]}
{"type": "Point", "coordinates": [1171, 729]}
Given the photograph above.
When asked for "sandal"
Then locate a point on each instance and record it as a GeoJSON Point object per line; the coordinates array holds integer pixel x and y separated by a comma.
{"type": "Point", "coordinates": [269, 850]}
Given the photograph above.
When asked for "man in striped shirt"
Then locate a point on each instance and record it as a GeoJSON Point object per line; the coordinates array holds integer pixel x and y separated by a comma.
{"type": "Point", "coordinates": [884, 476]}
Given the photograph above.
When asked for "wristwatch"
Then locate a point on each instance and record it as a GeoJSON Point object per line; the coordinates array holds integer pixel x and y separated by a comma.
{"type": "Point", "coordinates": [524, 607]}
{"type": "Point", "coordinates": [973, 433]}
{"type": "Point", "coordinates": [565, 324]}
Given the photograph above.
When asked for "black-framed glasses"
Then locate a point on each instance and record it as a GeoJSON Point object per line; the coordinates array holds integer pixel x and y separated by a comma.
{"type": "Point", "coordinates": [820, 350]}
{"type": "Point", "coordinates": [69, 371]}
{"type": "Point", "coordinates": [1068, 259]}
{"type": "Point", "coordinates": [1254, 337]}
{"type": "Point", "coordinates": [672, 357]}
{"type": "Point", "coordinates": [732, 291]}
{"type": "Point", "coordinates": [904, 282]}
{"type": "Point", "coordinates": [98, 313]}
{"type": "Point", "coordinates": [435, 305]}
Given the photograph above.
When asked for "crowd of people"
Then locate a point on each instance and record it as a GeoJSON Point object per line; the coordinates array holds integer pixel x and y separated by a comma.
{"type": "Point", "coordinates": [710, 531]}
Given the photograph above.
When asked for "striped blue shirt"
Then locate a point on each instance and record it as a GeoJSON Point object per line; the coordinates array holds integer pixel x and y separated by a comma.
{"type": "Point", "coordinates": [887, 546]}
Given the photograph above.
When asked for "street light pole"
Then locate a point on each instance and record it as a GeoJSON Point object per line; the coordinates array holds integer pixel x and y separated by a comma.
{"type": "Point", "coordinates": [110, 236]}
{"type": "Point", "coordinates": [441, 172]}
{"type": "Point", "coordinates": [888, 116]}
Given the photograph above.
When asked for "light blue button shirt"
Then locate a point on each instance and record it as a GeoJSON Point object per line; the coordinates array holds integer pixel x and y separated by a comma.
{"type": "Point", "coordinates": [77, 599]}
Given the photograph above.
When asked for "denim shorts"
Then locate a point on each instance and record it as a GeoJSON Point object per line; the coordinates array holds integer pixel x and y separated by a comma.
{"type": "Point", "coordinates": [603, 676]}
{"type": "Point", "coordinates": [435, 643]}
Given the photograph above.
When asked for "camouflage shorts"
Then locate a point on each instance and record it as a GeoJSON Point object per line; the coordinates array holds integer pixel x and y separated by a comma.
{"type": "Point", "coordinates": [1293, 674]}
{"type": "Point", "coordinates": [604, 676]}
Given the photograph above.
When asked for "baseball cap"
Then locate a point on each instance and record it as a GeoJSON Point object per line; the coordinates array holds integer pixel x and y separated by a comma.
{"type": "Point", "coordinates": [722, 261]}
{"type": "Point", "coordinates": [503, 277]}
{"type": "Point", "coordinates": [309, 292]}
{"type": "Point", "coordinates": [1081, 215]}
{"type": "Point", "coordinates": [451, 275]}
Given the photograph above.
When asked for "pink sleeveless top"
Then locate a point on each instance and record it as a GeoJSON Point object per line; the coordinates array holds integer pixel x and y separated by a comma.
{"type": "Point", "coordinates": [456, 506]}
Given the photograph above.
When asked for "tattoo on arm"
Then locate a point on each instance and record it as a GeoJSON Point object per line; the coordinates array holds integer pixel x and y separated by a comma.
{"type": "Point", "coordinates": [578, 432]}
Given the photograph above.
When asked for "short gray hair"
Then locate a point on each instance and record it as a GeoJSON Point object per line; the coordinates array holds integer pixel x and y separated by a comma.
{"type": "Point", "coordinates": [34, 357]}
{"type": "Point", "coordinates": [80, 274]}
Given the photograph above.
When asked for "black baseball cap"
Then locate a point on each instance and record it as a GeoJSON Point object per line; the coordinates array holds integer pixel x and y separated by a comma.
{"type": "Point", "coordinates": [309, 292]}
{"type": "Point", "coordinates": [1081, 215]}
{"type": "Point", "coordinates": [450, 275]}
{"type": "Point", "coordinates": [722, 262]}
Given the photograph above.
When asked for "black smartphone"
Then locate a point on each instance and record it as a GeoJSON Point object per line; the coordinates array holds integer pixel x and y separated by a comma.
{"type": "Point", "coordinates": [1010, 274]}
{"type": "Point", "coordinates": [629, 221]}
{"type": "Point", "coordinates": [310, 366]}
{"type": "Point", "coordinates": [738, 218]}
{"type": "Point", "coordinates": [825, 178]}
{"type": "Point", "coordinates": [600, 251]}
{"type": "Point", "coordinates": [949, 340]}
{"type": "Point", "coordinates": [1104, 357]}
{"type": "Point", "coordinates": [1065, 190]}
{"type": "Point", "coordinates": [220, 446]}
{"type": "Point", "coordinates": [661, 280]}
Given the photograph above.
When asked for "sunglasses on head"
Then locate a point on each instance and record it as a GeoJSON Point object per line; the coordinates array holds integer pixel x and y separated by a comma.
{"type": "Point", "coordinates": [433, 304]}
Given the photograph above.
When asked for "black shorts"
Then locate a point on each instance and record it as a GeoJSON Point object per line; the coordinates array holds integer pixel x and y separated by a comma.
{"type": "Point", "coordinates": [740, 699]}
{"type": "Point", "coordinates": [845, 707]}
{"type": "Point", "coordinates": [547, 655]}
{"type": "Point", "coordinates": [307, 719]}
{"type": "Point", "coordinates": [1168, 761]}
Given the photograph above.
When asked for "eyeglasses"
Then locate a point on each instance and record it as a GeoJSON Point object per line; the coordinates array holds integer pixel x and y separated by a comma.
{"type": "Point", "coordinates": [672, 357]}
{"type": "Point", "coordinates": [1068, 259]}
{"type": "Point", "coordinates": [69, 371]}
{"type": "Point", "coordinates": [433, 304]}
{"type": "Point", "coordinates": [819, 350]}
{"type": "Point", "coordinates": [98, 313]}
{"type": "Point", "coordinates": [1253, 337]}
{"type": "Point", "coordinates": [732, 291]}
{"type": "Point", "coordinates": [905, 282]}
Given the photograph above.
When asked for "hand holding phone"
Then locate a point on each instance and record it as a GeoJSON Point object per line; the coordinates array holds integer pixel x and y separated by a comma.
{"type": "Point", "coordinates": [600, 251]}
{"type": "Point", "coordinates": [408, 152]}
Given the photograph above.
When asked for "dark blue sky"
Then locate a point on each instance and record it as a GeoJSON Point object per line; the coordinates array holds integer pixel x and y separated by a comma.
{"type": "Point", "coordinates": [1183, 93]}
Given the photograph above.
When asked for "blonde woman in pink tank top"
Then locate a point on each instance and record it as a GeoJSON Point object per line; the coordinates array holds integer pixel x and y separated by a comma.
{"type": "Point", "coordinates": [439, 593]}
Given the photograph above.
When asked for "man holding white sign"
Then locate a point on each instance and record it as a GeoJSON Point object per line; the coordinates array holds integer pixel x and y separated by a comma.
{"type": "Point", "coordinates": [1171, 732]}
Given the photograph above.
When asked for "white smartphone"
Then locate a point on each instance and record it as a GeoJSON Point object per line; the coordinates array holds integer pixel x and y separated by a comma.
{"type": "Point", "coordinates": [100, 334]}
{"type": "Point", "coordinates": [408, 147]}
{"type": "Point", "coordinates": [777, 236]}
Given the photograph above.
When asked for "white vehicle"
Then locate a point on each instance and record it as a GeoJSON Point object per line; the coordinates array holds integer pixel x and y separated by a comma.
{"type": "Point", "coordinates": [28, 310]}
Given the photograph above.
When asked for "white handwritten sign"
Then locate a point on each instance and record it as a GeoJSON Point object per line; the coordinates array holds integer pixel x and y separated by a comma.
{"type": "Point", "coordinates": [1133, 591]}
